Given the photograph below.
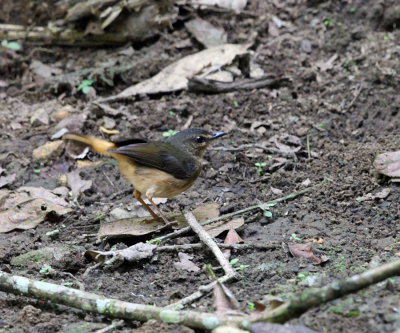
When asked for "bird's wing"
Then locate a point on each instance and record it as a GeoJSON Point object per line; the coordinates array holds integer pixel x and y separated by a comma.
{"type": "Point", "coordinates": [162, 156]}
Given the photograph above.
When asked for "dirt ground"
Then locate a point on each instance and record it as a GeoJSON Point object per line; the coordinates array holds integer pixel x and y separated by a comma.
{"type": "Point", "coordinates": [338, 108]}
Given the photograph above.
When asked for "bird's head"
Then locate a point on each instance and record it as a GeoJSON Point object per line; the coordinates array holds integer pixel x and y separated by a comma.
{"type": "Point", "coordinates": [194, 140]}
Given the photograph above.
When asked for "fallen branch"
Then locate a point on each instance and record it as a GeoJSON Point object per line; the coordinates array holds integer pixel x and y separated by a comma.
{"type": "Point", "coordinates": [114, 308]}
{"type": "Point", "coordinates": [59, 36]}
{"type": "Point", "coordinates": [203, 85]}
{"type": "Point", "coordinates": [312, 297]}
{"type": "Point", "coordinates": [183, 231]}
{"type": "Point", "coordinates": [207, 239]}
{"type": "Point", "coordinates": [118, 309]}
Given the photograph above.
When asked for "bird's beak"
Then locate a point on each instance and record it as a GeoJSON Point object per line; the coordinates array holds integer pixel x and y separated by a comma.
{"type": "Point", "coordinates": [217, 135]}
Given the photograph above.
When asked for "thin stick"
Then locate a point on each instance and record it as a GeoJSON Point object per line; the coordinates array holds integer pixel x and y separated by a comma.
{"type": "Point", "coordinates": [118, 309]}
{"type": "Point", "coordinates": [183, 231]}
{"type": "Point", "coordinates": [202, 290]}
{"type": "Point", "coordinates": [207, 239]}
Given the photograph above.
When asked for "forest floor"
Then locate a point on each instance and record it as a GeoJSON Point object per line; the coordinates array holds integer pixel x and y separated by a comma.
{"type": "Point", "coordinates": [335, 109]}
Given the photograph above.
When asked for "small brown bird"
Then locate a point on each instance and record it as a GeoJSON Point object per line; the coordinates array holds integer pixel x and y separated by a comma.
{"type": "Point", "coordinates": [156, 168]}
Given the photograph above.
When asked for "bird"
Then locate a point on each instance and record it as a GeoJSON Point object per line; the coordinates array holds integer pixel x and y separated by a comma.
{"type": "Point", "coordinates": [160, 169]}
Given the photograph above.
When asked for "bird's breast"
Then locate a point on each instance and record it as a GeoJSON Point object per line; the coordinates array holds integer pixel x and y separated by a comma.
{"type": "Point", "coordinates": [153, 182]}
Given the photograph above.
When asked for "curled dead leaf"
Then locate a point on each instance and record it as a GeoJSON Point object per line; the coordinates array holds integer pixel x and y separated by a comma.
{"type": "Point", "coordinates": [388, 164]}
{"type": "Point", "coordinates": [304, 251]}
{"type": "Point", "coordinates": [185, 263]}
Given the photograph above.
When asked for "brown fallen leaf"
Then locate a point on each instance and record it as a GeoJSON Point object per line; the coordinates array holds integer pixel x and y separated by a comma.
{"type": "Point", "coordinates": [9, 199]}
{"type": "Point", "coordinates": [379, 195]}
{"type": "Point", "coordinates": [206, 33]}
{"type": "Point", "coordinates": [224, 300]}
{"type": "Point", "coordinates": [176, 75]}
{"type": "Point", "coordinates": [140, 226]}
{"type": "Point", "coordinates": [5, 180]}
{"type": "Point", "coordinates": [214, 229]}
{"type": "Point", "coordinates": [28, 214]}
{"type": "Point", "coordinates": [388, 163]}
{"type": "Point", "coordinates": [304, 251]}
{"type": "Point", "coordinates": [185, 263]}
{"type": "Point", "coordinates": [232, 237]}
{"type": "Point", "coordinates": [292, 143]}
{"type": "Point", "coordinates": [77, 184]}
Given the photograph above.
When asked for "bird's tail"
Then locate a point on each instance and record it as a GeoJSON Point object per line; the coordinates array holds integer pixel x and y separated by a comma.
{"type": "Point", "coordinates": [98, 145]}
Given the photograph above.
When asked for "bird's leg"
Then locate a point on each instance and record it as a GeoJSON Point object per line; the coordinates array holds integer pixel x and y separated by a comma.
{"type": "Point", "coordinates": [158, 211]}
{"type": "Point", "coordinates": [138, 197]}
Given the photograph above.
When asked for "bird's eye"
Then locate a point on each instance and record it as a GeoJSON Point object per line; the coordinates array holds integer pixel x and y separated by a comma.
{"type": "Point", "coordinates": [199, 139]}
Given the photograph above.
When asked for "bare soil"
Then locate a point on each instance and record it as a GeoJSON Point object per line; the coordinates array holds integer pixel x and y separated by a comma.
{"type": "Point", "coordinates": [344, 111]}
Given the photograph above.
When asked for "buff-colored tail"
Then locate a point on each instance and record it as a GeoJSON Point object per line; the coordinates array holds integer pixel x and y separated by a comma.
{"type": "Point", "coordinates": [98, 145]}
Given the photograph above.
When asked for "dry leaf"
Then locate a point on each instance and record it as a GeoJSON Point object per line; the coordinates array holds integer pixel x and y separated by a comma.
{"type": "Point", "coordinates": [185, 263]}
{"type": "Point", "coordinates": [28, 214]}
{"type": "Point", "coordinates": [232, 237]}
{"type": "Point", "coordinates": [5, 180]}
{"type": "Point", "coordinates": [225, 301]}
{"type": "Point", "coordinates": [379, 195]}
{"type": "Point", "coordinates": [206, 33]}
{"type": "Point", "coordinates": [135, 226]}
{"type": "Point", "coordinates": [26, 207]}
{"type": "Point", "coordinates": [325, 65]}
{"type": "Point", "coordinates": [304, 251]}
{"type": "Point", "coordinates": [175, 76]}
{"type": "Point", "coordinates": [289, 139]}
{"type": "Point", "coordinates": [276, 191]}
{"type": "Point", "coordinates": [206, 212]}
{"type": "Point", "coordinates": [214, 229]}
{"type": "Point", "coordinates": [77, 184]}
{"type": "Point", "coordinates": [388, 164]}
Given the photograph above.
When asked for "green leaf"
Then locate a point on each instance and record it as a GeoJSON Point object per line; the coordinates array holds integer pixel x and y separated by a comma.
{"type": "Point", "coordinates": [11, 45]}
{"type": "Point", "coordinates": [267, 213]}
{"type": "Point", "coordinates": [85, 89]}
{"type": "Point", "coordinates": [45, 270]}
{"type": "Point", "coordinates": [169, 133]}
{"type": "Point", "coordinates": [84, 85]}
{"type": "Point", "coordinates": [251, 305]}
{"type": "Point", "coordinates": [233, 261]}
{"type": "Point", "coordinates": [352, 314]}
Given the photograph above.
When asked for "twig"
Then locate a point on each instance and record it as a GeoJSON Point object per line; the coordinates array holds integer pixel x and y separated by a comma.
{"type": "Point", "coordinates": [110, 328]}
{"type": "Point", "coordinates": [207, 239]}
{"type": "Point", "coordinates": [118, 309]}
{"type": "Point", "coordinates": [183, 231]}
{"type": "Point", "coordinates": [203, 290]}
{"type": "Point", "coordinates": [203, 85]}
